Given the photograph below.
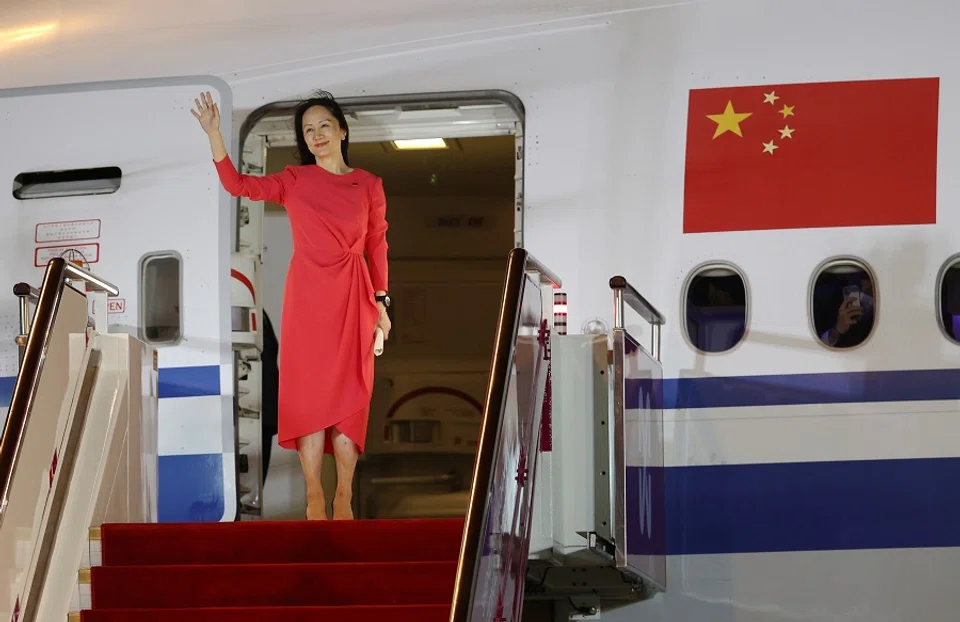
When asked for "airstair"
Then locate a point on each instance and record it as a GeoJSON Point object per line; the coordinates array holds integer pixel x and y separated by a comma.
{"type": "Point", "coordinates": [79, 537]}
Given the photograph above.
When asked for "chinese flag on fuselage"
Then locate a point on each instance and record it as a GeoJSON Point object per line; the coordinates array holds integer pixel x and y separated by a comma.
{"type": "Point", "coordinates": [829, 154]}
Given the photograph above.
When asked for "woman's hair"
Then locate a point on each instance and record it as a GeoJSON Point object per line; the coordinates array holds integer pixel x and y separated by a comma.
{"type": "Point", "coordinates": [325, 99]}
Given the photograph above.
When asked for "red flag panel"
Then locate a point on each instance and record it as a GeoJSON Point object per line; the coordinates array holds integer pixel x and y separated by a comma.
{"type": "Point", "coordinates": [828, 154]}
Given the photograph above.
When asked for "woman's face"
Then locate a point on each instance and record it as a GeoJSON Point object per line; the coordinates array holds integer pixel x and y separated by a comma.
{"type": "Point", "coordinates": [322, 132]}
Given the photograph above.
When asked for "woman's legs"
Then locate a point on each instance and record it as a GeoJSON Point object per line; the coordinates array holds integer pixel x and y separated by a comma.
{"type": "Point", "coordinates": [346, 454]}
{"type": "Point", "coordinates": [310, 449]}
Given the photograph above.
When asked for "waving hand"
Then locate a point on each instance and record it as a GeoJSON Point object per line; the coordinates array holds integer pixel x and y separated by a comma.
{"type": "Point", "coordinates": [207, 113]}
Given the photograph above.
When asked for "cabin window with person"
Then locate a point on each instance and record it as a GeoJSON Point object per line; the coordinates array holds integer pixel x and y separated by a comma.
{"type": "Point", "coordinates": [843, 303]}
{"type": "Point", "coordinates": [949, 296]}
{"type": "Point", "coordinates": [716, 301]}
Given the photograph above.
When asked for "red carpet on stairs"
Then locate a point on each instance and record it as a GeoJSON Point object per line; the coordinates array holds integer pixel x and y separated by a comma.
{"type": "Point", "coordinates": [343, 571]}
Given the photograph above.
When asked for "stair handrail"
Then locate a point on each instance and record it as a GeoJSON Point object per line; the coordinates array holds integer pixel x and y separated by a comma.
{"type": "Point", "coordinates": [59, 271]}
{"type": "Point", "coordinates": [628, 363]}
{"type": "Point", "coordinates": [27, 294]}
{"type": "Point", "coordinates": [623, 292]}
{"type": "Point", "coordinates": [519, 265]}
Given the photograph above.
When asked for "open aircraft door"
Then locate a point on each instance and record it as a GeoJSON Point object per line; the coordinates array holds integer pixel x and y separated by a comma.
{"type": "Point", "coordinates": [118, 177]}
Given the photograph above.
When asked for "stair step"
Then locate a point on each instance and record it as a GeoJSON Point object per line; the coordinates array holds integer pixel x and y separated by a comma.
{"type": "Point", "coordinates": [277, 571]}
{"type": "Point", "coordinates": [273, 585]}
{"type": "Point", "coordinates": [404, 613]}
{"type": "Point", "coordinates": [267, 542]}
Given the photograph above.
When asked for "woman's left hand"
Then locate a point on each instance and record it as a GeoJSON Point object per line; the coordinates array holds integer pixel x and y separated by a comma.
{"type": "Point", "coordinates": [384, 322]}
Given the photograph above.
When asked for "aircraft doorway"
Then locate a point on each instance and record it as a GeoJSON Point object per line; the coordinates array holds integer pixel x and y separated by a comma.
{"type": "Point", "coordinates": [453, 182]}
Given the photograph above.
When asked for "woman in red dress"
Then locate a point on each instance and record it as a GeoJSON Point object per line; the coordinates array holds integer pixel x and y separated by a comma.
{"type": "Point", "coordinates": [333, 300]}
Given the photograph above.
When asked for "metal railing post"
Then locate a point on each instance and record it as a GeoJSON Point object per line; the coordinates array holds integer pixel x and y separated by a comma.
{"type": "Point", "coordinates": [27, 294]}
{"type": "Point", "coordinates": [625, 294]}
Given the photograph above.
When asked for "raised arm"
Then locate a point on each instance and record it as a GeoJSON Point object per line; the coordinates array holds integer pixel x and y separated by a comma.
{"type": "Point", "coordinates": [269, 188]}
{"type": "Point", "coordinates": [376, 243]}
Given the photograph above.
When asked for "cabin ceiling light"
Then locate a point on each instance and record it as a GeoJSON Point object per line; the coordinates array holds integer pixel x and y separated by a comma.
{"type": "Point", "coordinates": [420, 143]}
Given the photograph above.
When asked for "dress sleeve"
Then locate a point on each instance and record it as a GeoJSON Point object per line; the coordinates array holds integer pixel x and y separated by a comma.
{"type": "Point", "coordinates": [376, 244]}
{"type": "Point", "coordinates": [271, 188]}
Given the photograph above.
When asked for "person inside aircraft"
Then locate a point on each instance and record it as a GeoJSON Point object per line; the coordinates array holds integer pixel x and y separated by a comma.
{"type": "Point", "coordinates": [334, 301]}
{"type": "Point", "coordinates": [844, 309]}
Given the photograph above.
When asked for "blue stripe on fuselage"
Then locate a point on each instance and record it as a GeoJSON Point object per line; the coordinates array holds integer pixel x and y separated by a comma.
{"type": "Point", "coordinates": [802, 506]}
{"type": "Point", "coordinates": [913, 385]}
{"type": "Point", "coordinates": [710, 392]}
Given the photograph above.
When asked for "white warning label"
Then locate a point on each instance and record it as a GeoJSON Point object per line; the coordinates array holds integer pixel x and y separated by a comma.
{"type": "Point", "coordinates": [68, 230]}
{"type": "Point", "coordinates": [82, 253]}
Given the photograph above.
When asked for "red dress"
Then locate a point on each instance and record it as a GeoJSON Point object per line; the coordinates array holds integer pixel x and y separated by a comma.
{"type": "Point", "coordinates": [329, 312]}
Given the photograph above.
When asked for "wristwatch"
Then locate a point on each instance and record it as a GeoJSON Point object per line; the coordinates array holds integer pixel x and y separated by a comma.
{"type": "Point", "coordinates": [385, 299]}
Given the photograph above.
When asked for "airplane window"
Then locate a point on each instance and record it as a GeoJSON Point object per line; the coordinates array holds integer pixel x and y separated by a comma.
{"type": "Point", "coordinates": [66, 183]}
{"type": "Point", "coordinates": [160, 291]}
{"type": "Point", "coordinates": [950, 299]}
{"type": "Point", "coordinates": [716, 308]}
{"type": "Point", "coordinates": [843, 310]}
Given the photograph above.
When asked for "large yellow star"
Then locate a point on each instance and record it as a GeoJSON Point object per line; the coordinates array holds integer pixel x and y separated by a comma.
{"type": "Point", "coordinates": [729, 121]}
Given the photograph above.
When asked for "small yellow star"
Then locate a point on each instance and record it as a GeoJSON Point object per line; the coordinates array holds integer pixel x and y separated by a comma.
{"type": "Point", "coordinates": [786, 132]}
{"type": "Point", "coordinates": [729, 121]}
{"type": "Point", "coordinates": [786, 111]}
{"type": "Point", "coordinates": [769, 147]}
{"type": "Point", "coordinates": [769, 98]}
